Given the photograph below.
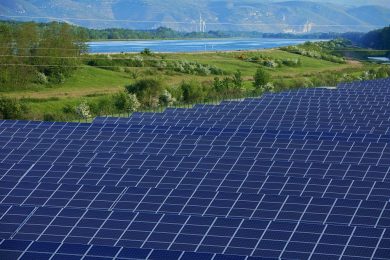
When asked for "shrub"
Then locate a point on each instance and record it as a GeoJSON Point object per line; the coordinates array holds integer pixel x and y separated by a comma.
{"type": "Point", "coordinates": [49, 117]}
{"type": "Point", "coordinates": [104, 105]}
{"type": "Point", "coordinates": [292, 62]}
{"type": "Point", "coordinates": [261, 78]}
{"type": "Point", "coordinates": [57, 78]}
{"type": "Point", "coordinates": [41, 78]}
{"type": "Point", "coordinates": [192, 91]}
{"type": "Point", "coordinates": [270, 64]}
{"type": "Point", "coordinates": [68, 109]}
{"type": "Point", "coordinates": [218, 85]}
{"type": "Point", "coordinates": [237, 80]}
{"type": "Point", "coordinates": [146, 51]}
{"type": "Point", "coordinates": [11, 108]}
{"type": "Point", "coordinates": [317, 50]}
{"type": "Point", "coordinates": [166, 98]}
{"type": "Point", "coordinates": [147, 90]}
{"type": "Point", "coordinates": [124, 101]}
{"type": "Point", "coordinates": [194, 68]}
{"type": "Point", "coordinates": [83, 110]}
{"type": "Point", "coordinates": [268, 87]}
{"type": "Point", "coordinates": [382, 72]}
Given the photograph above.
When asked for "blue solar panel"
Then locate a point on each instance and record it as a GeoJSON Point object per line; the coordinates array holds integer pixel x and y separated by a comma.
{"type": "Point", "coordinates": [293, 175]}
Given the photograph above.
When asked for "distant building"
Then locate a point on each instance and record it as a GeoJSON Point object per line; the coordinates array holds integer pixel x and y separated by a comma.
{"type": "Point", "coordinates": [308, 27]}
{"type": "Point", "coordinates": [202, 24]}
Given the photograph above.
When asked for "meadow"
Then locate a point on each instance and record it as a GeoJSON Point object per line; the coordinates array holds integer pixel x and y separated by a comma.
{"type": "Point", "coordinates": [98, 77]}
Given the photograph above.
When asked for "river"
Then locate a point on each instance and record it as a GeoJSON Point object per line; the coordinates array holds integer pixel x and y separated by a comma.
{"type": "Point", "coordinates": [190, 45]}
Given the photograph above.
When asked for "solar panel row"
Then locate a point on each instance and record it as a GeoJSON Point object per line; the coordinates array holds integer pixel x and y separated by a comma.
{"type": "Point", "coordinates": [296, 175]}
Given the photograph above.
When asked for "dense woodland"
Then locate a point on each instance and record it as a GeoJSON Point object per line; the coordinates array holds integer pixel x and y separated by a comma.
{"type": "Point", "coordinates": [377, 39]}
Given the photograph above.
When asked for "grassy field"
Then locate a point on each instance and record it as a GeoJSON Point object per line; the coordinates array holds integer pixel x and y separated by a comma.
{"type": "Point", "coordinates": [91, 83]}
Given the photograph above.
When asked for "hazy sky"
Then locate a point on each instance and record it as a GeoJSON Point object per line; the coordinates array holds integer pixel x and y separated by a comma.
{"type": "Point", "coordinates": [343, 2]}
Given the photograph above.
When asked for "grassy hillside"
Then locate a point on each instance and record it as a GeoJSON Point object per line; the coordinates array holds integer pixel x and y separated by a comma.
{"type": "Point", "coordinates": [94, 85]}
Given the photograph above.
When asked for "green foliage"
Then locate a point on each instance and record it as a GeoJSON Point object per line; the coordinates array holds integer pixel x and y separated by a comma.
{"type": "Point", "coordinates": [41, 78]}
{"type": "Point", "coordinates": [83, 110]}
{"type": "Point", "coordinates": [194, 68]}
{"type": "Point", "coordinates": [146, 51]}
{"type": "Point", "coordinates": [166, 98]}
{"type": "Point", "coordinates": [261, 78]}
{"type": "Point", "coordinates": [102, 106]}
{"type": "Point", "coordinates": [319, 50]}
{"type": "Point", "coordinates": [377, 39]}
{"type": "Point", "coordinates": [68, 109]}
{"type": "Point", "coordinates": [237, 80]}
{"type": "Point", "coordinates": [383, 72]}
{"type": "Point", "coordinates": [121, 64]}
{"type": "Point", "coordinates": [124, 63]}
{"type": "Point", "coordinates": [168, 33]}
{"type": "Point", "coordinates": [125, 102]}
{"type": "Point", "coordinates": [272, 62]}
{"type": "Point", "coordinates": [192, 91]}
{"type": "Point", "coordinates": [11, 108]}
{"type": "Point", "coordinates": [38, 55]}
{"type": "Point", "coordinates": [51, 117]}
{"type": "Point", "coordinates": [228, 86]}
{"type": "Point", "coordinates": [147, 90]}
{"type": "Point", "coordinates": [218, 85]}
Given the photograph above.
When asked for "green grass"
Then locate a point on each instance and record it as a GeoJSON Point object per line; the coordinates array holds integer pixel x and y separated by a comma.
{"type": "Point", "coordinates": [91, 83]}
{"type": "Point", "coordinates": [85, 81]}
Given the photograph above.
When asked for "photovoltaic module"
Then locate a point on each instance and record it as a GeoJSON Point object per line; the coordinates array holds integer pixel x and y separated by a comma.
{"type": "Point", "coordinates": [302, 174]}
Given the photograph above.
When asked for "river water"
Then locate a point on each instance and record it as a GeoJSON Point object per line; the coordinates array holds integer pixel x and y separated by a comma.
{"type": "Point", "coordinates": [190, 45]}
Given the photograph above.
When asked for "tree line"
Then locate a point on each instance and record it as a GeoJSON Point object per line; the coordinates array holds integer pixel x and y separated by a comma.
{"type": "Point", "coordinates": [377, 39]}
{"type": "Point", "coordinates": [168, 33]}
{"type": "Point", "coordinates": [32, 53]}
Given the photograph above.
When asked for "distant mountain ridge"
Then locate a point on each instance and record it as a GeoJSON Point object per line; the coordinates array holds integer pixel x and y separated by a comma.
{"type": "Point", "coordinates": [185, 15]}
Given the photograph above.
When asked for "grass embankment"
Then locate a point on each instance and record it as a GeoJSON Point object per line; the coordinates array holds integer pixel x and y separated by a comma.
{"type": "Point", "coordinates": [91, 83]}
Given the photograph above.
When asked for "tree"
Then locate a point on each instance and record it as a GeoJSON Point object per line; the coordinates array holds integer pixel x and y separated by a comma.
{"type": "Point", "coordinates": [166, 98]}
{"type": "Point", "coordinates": [6, 50]}
{"type": "Point", "coordinates": [59, 50]}
{"type": "Point", "coordinates": [217, 84]}
{"type": "Point", "coordinates": [146, 51]}
{"type": "Point", "coordinates": [192, 91]}
{"type": "Point", "coordinates": [382, 73]}
{"type": "Point", "coordinates": [237, 82]}
{"type": "Point", "coordinates": [147, 90]}
{"type": "Point", "coordinates": [36, 53]}
{"type": "Point", "coordinates": [124, 101]}
{"type": "Point", "coordinates": [261, 78]}
{"type": "Point", "coordinates": [11, 108]}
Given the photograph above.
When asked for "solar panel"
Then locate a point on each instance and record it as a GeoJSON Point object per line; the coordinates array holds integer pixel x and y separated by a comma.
{"type": "Point", "coordinates": [301, 174]}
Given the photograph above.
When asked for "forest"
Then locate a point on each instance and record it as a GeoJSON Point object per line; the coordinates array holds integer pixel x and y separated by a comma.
{"type": "Point", "coordinates": [377, 39]}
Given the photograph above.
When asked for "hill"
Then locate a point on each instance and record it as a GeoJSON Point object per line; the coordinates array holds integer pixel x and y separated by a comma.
{"type": "Point", "coordinates": [266, 16]}
{"type": "Point", "coordinates": [377, 39]}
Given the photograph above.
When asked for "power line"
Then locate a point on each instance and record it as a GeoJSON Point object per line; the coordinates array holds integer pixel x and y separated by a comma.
{"type": "Point", "coordinates": [89, 66]}
{"type": "Point", "coordinates": [71, 66]}
{"type": "Point", "coordinates": [132, 58]}
{"type": "Point", "coordinates": [183, 22]}
{"type": "Point", "coordinates": [130, 52]}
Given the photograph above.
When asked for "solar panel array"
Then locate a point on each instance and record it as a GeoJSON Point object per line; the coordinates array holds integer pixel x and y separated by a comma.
{"type": "Point", "coordinates": [301, 174]}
